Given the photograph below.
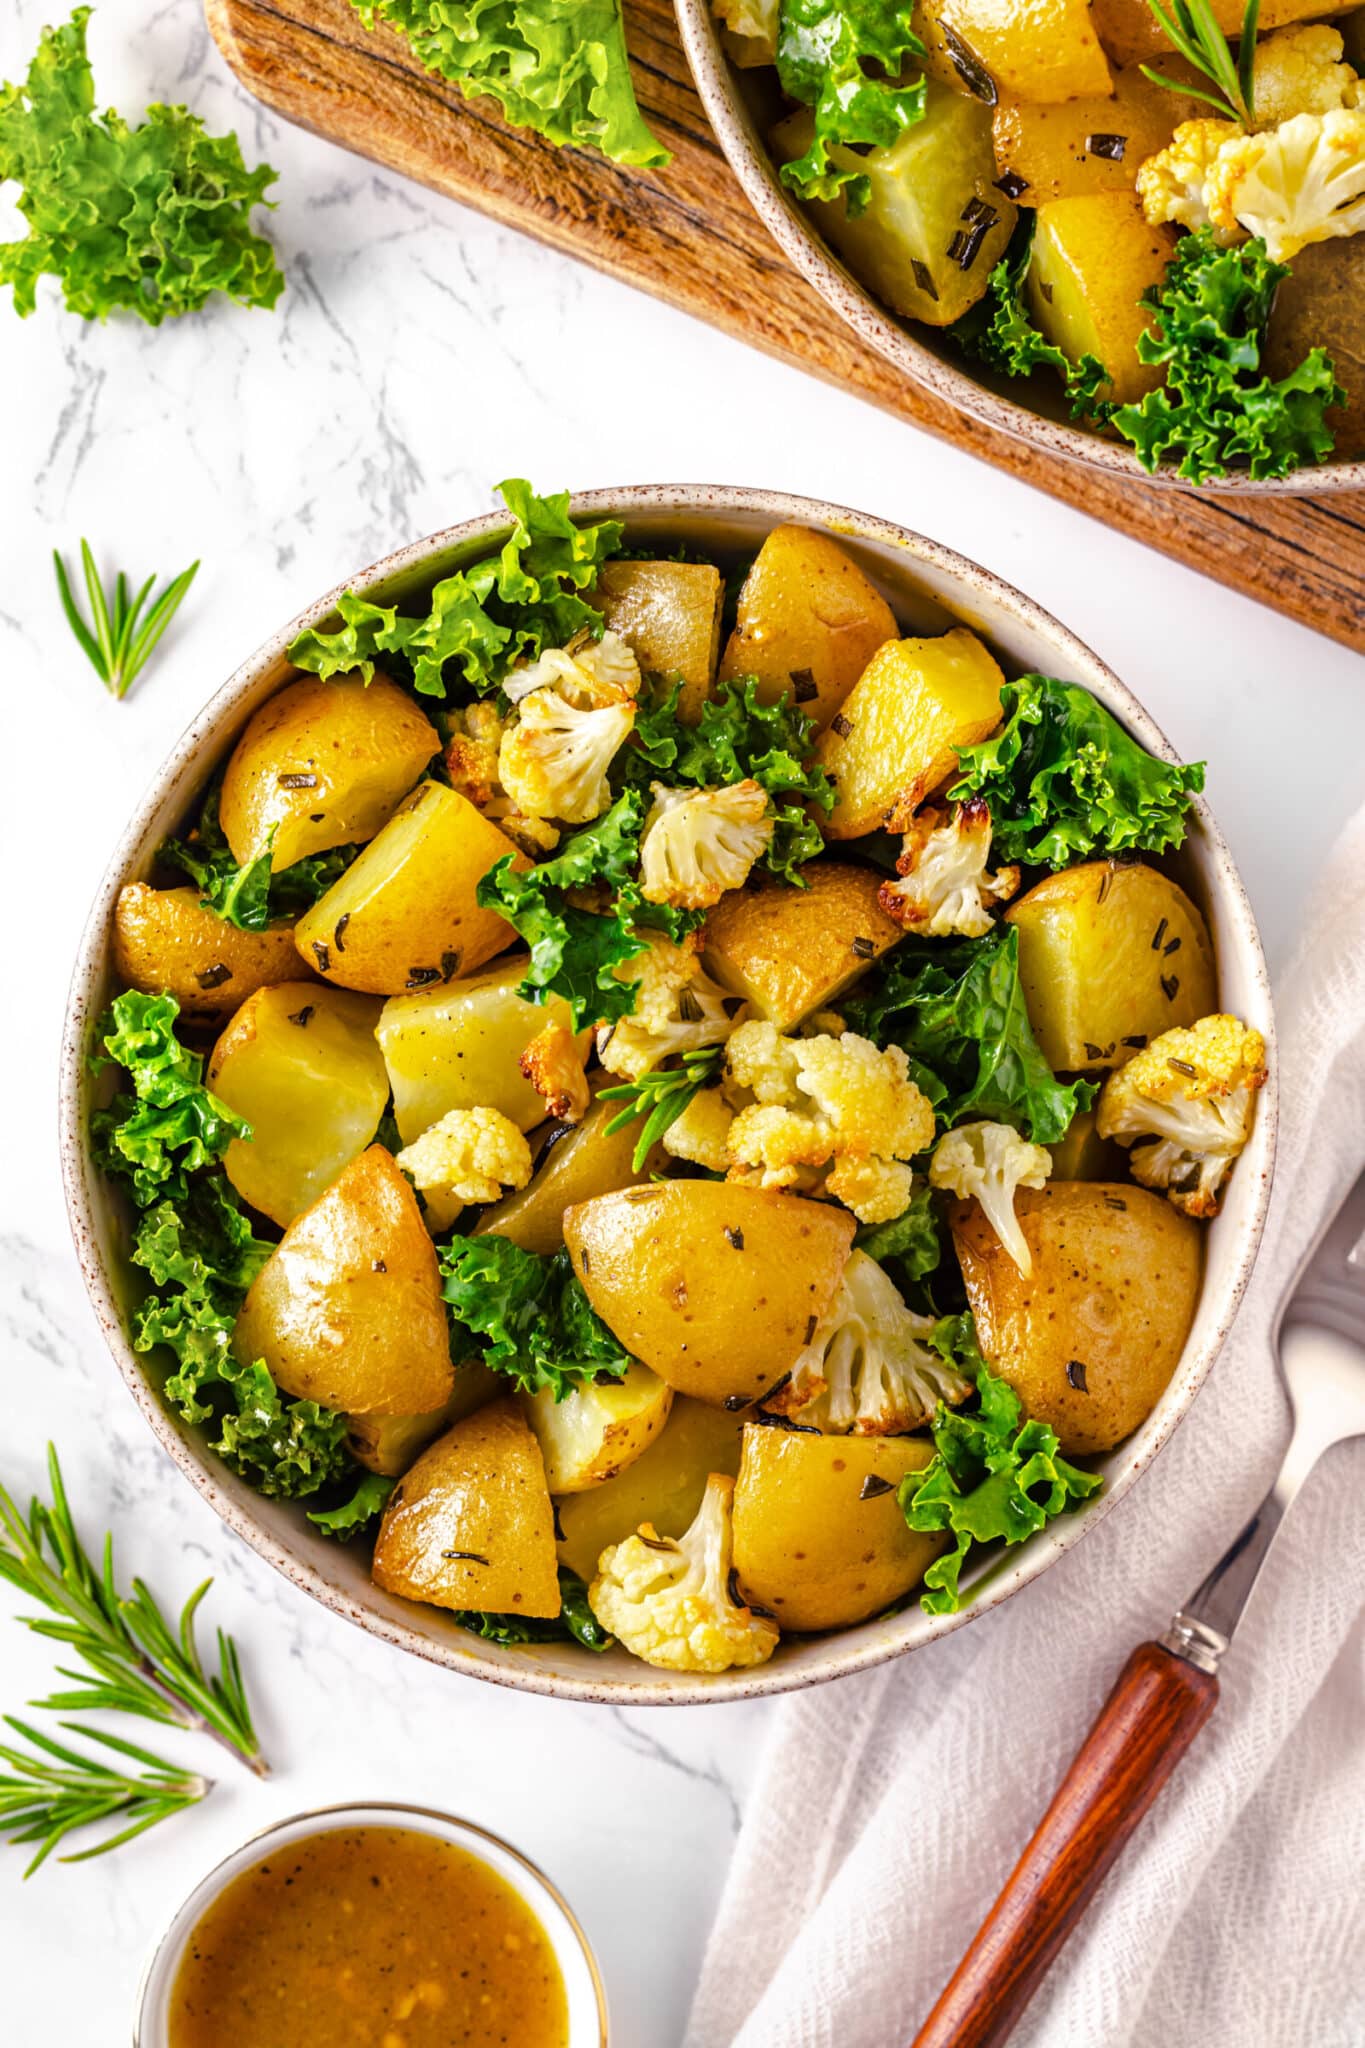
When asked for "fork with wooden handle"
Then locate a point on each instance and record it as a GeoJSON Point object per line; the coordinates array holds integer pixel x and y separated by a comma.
{"type": "Point", "coordinates": [1167, 1690]}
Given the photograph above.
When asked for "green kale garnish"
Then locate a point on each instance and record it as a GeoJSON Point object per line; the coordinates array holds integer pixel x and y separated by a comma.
{"type": "Point", "coordinates": [575, 1621]}
{"type": "Point", "coordinates": [1064, 780]}
{"type": "Point", "coordinates": [150, 220]}
{"type": "Point", "coordinates": [357, 1511]}
{"type": "Point", "coordinates": [171, 1125]}
{"type": "Point", "coordinates": [999, 332]}
{"type": "Point", "coordinates": [527, 1315]}
{"type": "Point", "coordinates": [250, 896]}
{"type": "Point", "coordinates": [824, 48]}
{"type": "Point", "coordinates": [909, 1245]}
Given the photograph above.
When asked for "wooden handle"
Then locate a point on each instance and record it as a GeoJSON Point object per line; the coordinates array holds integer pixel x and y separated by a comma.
{"type": "Point", "coordinates": [1149, 1720]}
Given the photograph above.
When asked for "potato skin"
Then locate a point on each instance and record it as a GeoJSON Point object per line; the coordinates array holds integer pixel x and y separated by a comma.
{"type": "Point", "coordinates": [669, 613]}
{"type": "Point", "coordinates": [364, 743]}
{"type": "Point", "coordinates": [389, 1443]}
{"type": "Point", "coordinates": [479, 1489]}
{"type": "Point", "coordinates": [791, 951]}
{"type": "Point", "coordinates": [1131, 35]}
{"type": "Point", "coordinates": [1036, 49]}
{"type": "Point", "coordinates": [897, 736]}
{"type": "Point", "coordinates": [165, 942]}
{"type": "Point", "coordinates": [599, 1428]}
{"type": "Point", "coordinates": [347, 1309]}
{"type": "Point", "coordinates": [807, 615]}
{"type": "Point", "coordinates": [1319, 306]}
{"type": "Point", "coordinates": [1046, 143]}
{"type": "Point", "coordinates": [582, 1163]}
{"type": "Point", "coordinates": [664, 1485]}
{"type": "Point", "coordinates": [1093, 258]}
{"type": "Point", "coordinates": [1116, 1274]}
{"type": "Point", "coordinates": [713, 1287]}
{"type": "Point", "coordinates": [807, 1546]}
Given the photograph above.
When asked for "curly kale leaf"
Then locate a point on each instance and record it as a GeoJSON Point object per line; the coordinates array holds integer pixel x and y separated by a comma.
{"type": "Point", "coordinates": [575, 1622]}
{"type": "Point", "coordinates": [824, 48]}
{"type": "Point", "coordinates": [958, 1011]}
{"type": "Point", "coordinates": [909, 1246]}
{"type": "Point", "coordinates": [527, 1315]}
{"type": "Point", "coordinates": [250, 896]}
{"type": "Point", "coordinates": [999, 333]}
{"type": "Point", "coordinates": [356, 1512]}
{"type": "Point", "coordinates": [149, 220]}
{"type": "Point", "coordinates": [1217, 408]}
{"type": "Point", "coordinates": [1064, 780]}
{"type": "Point", "coordinates": [170, 1125]}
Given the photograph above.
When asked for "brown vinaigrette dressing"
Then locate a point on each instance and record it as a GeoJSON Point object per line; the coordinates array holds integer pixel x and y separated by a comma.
{"type": "Point", "coordinates": [369, 1937]}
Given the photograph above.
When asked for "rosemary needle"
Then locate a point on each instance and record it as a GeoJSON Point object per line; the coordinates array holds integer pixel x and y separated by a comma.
{"type": "Point", "coordinates": [136, 1662]}
{"type": "Point", "coordinates": [660, 1097]}
{"type": "Point", "coordinates": [1193, 29]}
{"type": "Point", "coordinates": [50, 1791]}
{"type": "Point", "coordinates": [119, 639]}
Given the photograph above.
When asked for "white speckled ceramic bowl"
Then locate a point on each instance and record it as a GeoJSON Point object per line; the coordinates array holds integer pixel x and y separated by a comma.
{"type": "Point", "coordinates": [930, 589]}
{"type": "Point", "coordinates": [1035, 413]}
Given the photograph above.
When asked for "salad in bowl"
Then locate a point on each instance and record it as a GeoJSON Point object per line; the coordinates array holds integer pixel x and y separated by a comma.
{"type": "Point", "coordinates": [671, 1105]}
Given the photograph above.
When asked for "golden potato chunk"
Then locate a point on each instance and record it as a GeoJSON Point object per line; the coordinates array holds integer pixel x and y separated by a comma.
{"type": "Point", "coordinates": [389, 1443]}
{"type": "Point", "coordinates": [405, 915]}
{"type": "Point", "coordinates": [1082, 1154]}
{"type": "Point", "coordinates": [1035, 49]}
{"type": "Point", "coordinates": [897, 736]}
{"type": "Point", "coordinates": [809, 622]}
{"type": "Point", "coordinates": [1110, 954]}
{"type": "Point", "coordinates": [664, 1485]}
{"type": "Point", "coordinates": [471, 1525]}
{"type": "Point", "coordinates": [1072, 147]}
{"type": "Point", "coordinates": [1093, 258]}
{"type": "Point", "coordinates": [347, 1309]}
{"type": "Point", "coordinates": [1090, 1341]}
{"type": "Point", "coordinates": [669, 613]}
{"type": "Point", "coordinates": [713, 1287]}
{"type": "Point", "coordinates": [1131, 34]}
{"type": "Point", "coordinates": [322, 764]}
{"type": "Point", "coordinates": [819, 1539]}
{"type": "Point", "coordinates": [300, 1063]}
{"type": "Point", "coordinates": [791, 951]}
{"type": "Point", "coordinates": [582, 1161]}
{"type": "Point", "coordinates": [599, 1427]}
{"type": "Point", "coordinates": [165, 942]}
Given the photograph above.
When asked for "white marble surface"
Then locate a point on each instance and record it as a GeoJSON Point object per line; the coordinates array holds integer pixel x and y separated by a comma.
{"type": "Point", "coordinates": [420, 354]}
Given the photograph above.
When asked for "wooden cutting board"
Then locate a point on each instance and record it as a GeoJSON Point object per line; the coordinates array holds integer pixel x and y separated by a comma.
{"type": "Point", "coordinates": [688, 235]}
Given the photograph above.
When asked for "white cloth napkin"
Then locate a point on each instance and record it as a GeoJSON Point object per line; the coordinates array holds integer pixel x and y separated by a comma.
{"type": "Point", "coordinates": [891, 1806]}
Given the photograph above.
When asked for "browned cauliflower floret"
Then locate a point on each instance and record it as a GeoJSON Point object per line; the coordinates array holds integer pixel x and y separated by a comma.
{"type": "Point", "coordinates": [867, 1370]}
{"type": "Point", "coordinates": [554, 758]}
{"type": "Point", "coordinates": [673, 1603]}
{"type": "Point", "coordinates": [1300, 71]}
{"type": "Point", "coordinates": [946, 889]}
{"type": "Point", "coordinates": [699, 1134]}
{"type": "Point", "coordinates": [471, 1155]}
{"type": "Point", "coordinates": [677, 1008]}
{"type": "Point", "coordinates": [587, 673]}
{"type": "Point", "coordinates": [697, 843]}
{"type": "Point", "coordinates": [553, 1063]}
{"type": "Point", "coordinates": [1171, 183]}
{"type": "Point", "coordinates": [1302, 182]}
{"type": "Point", "coordinates": [471, 759]}
{"type": "Point", "coordinates": [989, 1161]}
{"type": "Point", "coordinates": [1185, 1105]}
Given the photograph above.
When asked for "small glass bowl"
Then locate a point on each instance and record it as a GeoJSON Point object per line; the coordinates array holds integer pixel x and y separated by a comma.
{"type": "Point", "coordinates": [583, 1988]}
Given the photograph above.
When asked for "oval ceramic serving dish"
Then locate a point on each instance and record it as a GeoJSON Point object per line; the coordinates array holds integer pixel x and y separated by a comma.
{"type": "Point", "coordinates": [914, 350]}
{"type": "Point", "coordinates": [930, 589]}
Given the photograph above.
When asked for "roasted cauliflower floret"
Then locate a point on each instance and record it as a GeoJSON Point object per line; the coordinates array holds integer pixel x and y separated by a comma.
{"type": "Point", "coordinates": [833, 1115]}
{"type": "Point", "coordinates": [671, 1603]}
{"type": "Point", "coordinates": [677, 1008]}
{"type": "Point", "coordinates": [697, 843]}
{"type": "Point", "coordinates": [1185, 1104]}
{"type": "Point", "coordinates": [1300, 71]}
{"type": "Point", "coordinates": [867, 1370]}
{"type": "Point", "coordinates": [553, 759]}
{"type": "Point", "coordinates": [471, 759]}
{"type": "Point", "coordinates": [946, 888]}
{"type": "Point", "coordinates": [1171, 183]}
{"type": "Point", "coordinates": [471, 1155]}
{"type": "Point", "coordinates": [1301, 182]}
{"type": "Point", "coordinates": [699, 1134]}
{"type": "Point", "coordinates": [587, 673]}
{"type": "Point", "coordinates": [989, 1161]}
{"type": "Point", "coordinates": [553, 1064]}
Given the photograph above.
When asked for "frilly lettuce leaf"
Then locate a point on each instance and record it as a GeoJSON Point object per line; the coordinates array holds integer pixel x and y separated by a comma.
{"type": "Point", "coordinates": [171, 1125]}
{"type": "Point", "coordinates": [357, 1511]}
{"type": "Point", "coordinates": [909, 1246]}
{"type": "Point", "coordinates": [998, 331]}
{"type": "Point", "coordinates": [824, 48]}
{"type": "Point", "coordinates": [250, 896]}
{"type": "Point", "coordinates": [527, 1315]}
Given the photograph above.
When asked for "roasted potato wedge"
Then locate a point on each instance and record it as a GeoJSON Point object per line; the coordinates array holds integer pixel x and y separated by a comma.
{"type": "Point", "coordinates": [405, 915]}
{"type": "Point", "coordinates": [1082, 1154]}
{"type": "Point", "coordinates": [809, 622]}
{"type": "Point", "coordinates": [598, 1428]}
{"type": "Point", "coordinates": [347, 1309]}
{"type": "Point", "coordinates": [300, 1063]}
{"type": "Point", "coordinates": [663, 1486]}
{"type": "Point", "coordinates": [1319, 306]}
{"type": "Point", "coordinates": [669, 613]}
{"type": "Point", "coordinates": [1090, 1341]}
{"type": "Point", "coordinates": [897, 736]}
{"type": "Point", "coordinates": [1093, 258]}
{"type": "Point", "coordinates": [1131, 34]}
{"type": "Point", "coordinates": [581, 1162]}
{"type": "Point", "coordinates": [809, 1545]}
{"type": "Point", "coordinates": [458, 1047]}
{"type": "Point", "coordinates": [165, 942]}
{"type": "Point", "coordinates": [389, 1443]}
{"type": "Point", "coordinates": [1110, 954]}
{"type": "Point", "coordinates": [1035, 49]}
{"type": "Point", "coordinates": [791, 951]}
{"type": "Point", "coordinates": [1069, 148]}
{"type": "Point", "coordinates": [713, 1287]}
{"type": "Point", "coordinates": [471, 1525]}
{"type": "Point", "coordinates": [322, 764]}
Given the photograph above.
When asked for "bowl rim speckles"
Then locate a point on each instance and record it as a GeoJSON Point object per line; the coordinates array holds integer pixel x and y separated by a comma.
{"type": "Point", "coordinates": [902, 344]}
{"type": "Point", "coordinates": [930, 587]}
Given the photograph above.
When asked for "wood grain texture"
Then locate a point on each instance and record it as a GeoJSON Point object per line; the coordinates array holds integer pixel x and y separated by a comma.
{"type": "Point", "coordinates": [687, 235]}
{"type": "Point", "coordinates": [1149, 1720]}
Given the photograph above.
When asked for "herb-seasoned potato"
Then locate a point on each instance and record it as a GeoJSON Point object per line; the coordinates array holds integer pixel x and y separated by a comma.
{"type": "Point", "coordinates": [791, 951]}
{"type": "Point", "coordinates": [347, 1309]}
{"type": "Point", "coordinates": [1131, 34]}
{"type": "Point", "coordinates": [389, 1443]}
{"type": "Point", "coordinates": [669, 613]}
{"type": "Point", "coordinates": [897, 736]}
{"type": "Point", "coordinates": [166, 942]}
{"type": "Point", "coordinates": [1072, 147]}
{"type": "Point", "coordinates": [582, 1162]}
{"type": "Point", "coordinates": [1089, 1342]}
{"type": "Point", "coordinates": [598, 1428]}
{"type": "Point", "coordinates": [1082, 1154]}
{"type": "Point", "coordinates": [300, 1063]}
{"type": "Point", "coordinates": [809, 622]}
{"type": "Point", "coordinates": [811, 1544]}
{"type": "Point", "coordinates": [458, 1047]}
{"type": "Point", "coordinates": [1319, 306]}
{"type": "Point", "coordinates": [404, 915]}
{"type": "Point", "coordinates": [663, 1486]}
{"type": "Point", "coordinates": [1093, 258]}
{"type": "Point", "coordinates": [471, 1525]}
{"type": "Point", "coordinates": [716, 1288]}
{"type": "Point", "coordinates": [1035, 49]}
{"type": "Point", "coordinates": [1110, 954]}
{"type": "Point", "coordinates": [322, 764]}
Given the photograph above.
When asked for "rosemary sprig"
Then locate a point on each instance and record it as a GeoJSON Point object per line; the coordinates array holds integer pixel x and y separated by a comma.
{"type": "Point", "coordinates": [120, 639]}
{"type": "Point", "coordinates": [140, 1664]}
{"type": "Point", "coordinates": [45, 1801]}
{"type": "Point", "coordinates": [1192, 28]}
{"type": "Point", "coordinates": [661, 1096]}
